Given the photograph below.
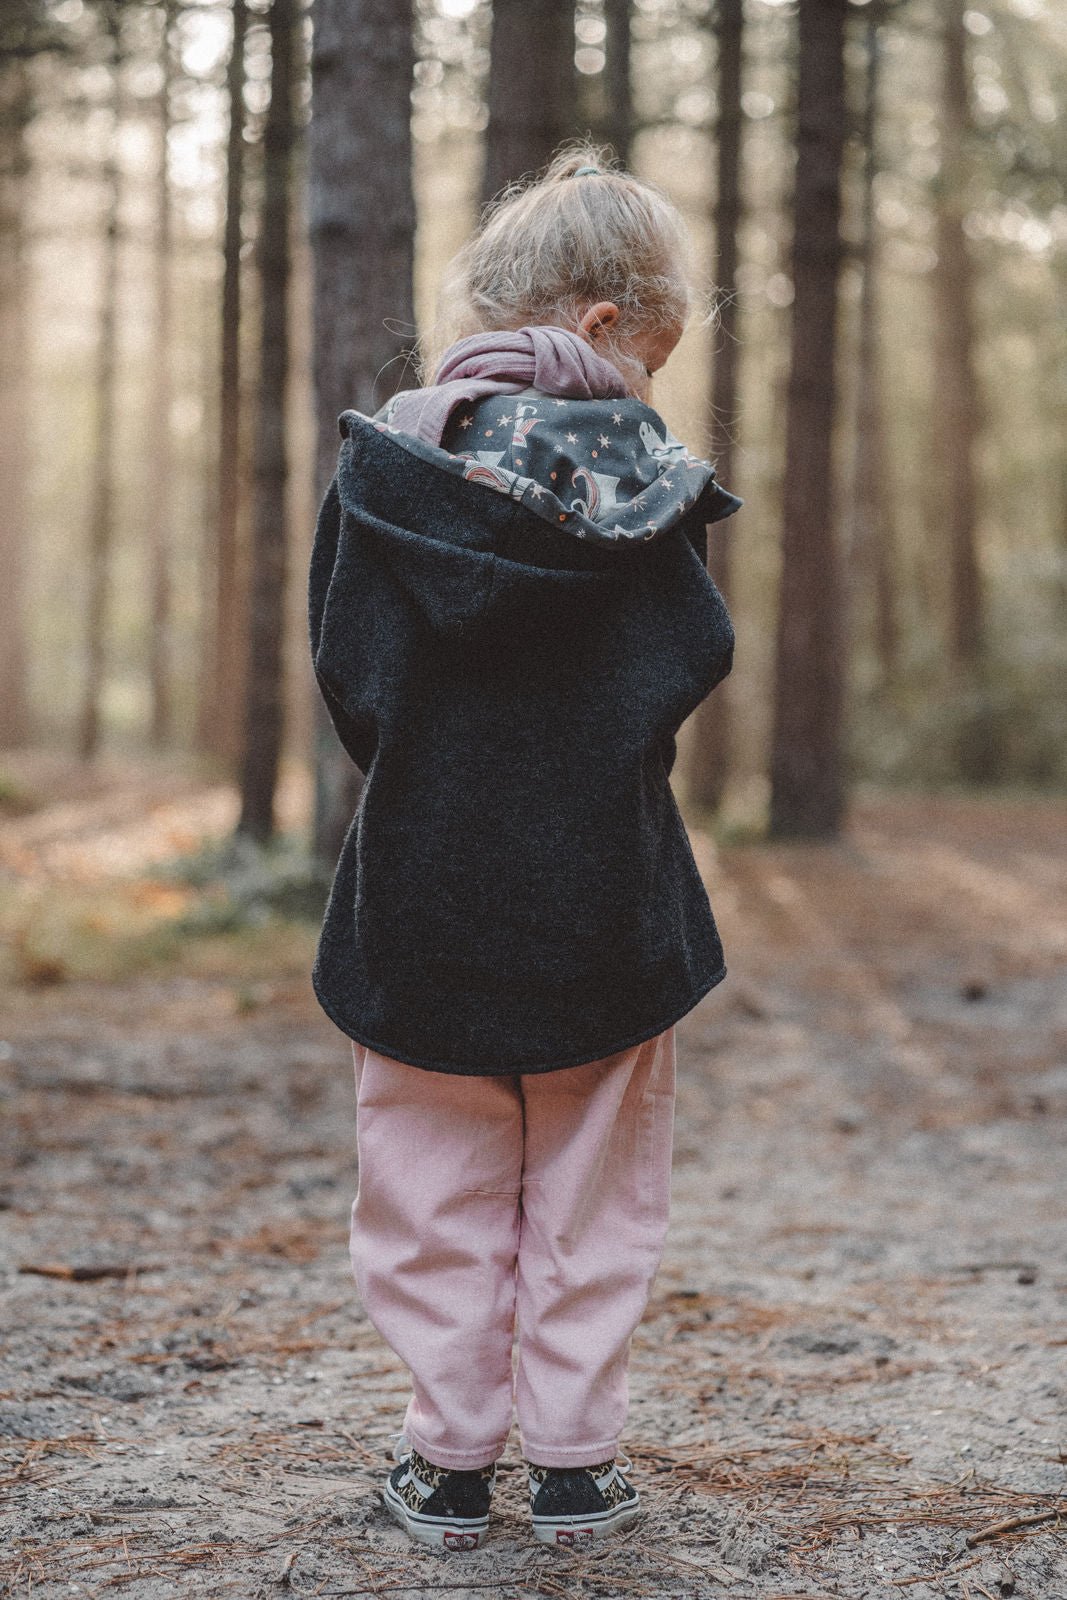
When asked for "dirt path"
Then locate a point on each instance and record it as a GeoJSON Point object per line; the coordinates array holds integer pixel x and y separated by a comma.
{"type": "Point", "coordinates": [855, 1360]}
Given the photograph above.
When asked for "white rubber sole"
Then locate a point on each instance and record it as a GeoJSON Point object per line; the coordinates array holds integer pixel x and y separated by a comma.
{"type": "Point", "coordinates": [443, 1533]}
{"type": "Point", "coordinates": [570, 1531]}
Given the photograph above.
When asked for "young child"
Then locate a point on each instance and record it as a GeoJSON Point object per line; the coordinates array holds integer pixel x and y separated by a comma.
{"type": "Point", "coordinates": [510, 619]}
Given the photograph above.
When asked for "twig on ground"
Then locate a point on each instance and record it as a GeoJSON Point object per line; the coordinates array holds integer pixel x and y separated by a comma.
{"type": "Point", "coordinates": [1009, 1523]}
{"type": "Point", "coordinates": [498, 1583]}
{"type": "Point", "coordinates": [88, 1273]}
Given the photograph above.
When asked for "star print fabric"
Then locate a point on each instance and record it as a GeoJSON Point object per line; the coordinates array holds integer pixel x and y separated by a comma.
{"type": "Point", "coordinates": [606, 470]}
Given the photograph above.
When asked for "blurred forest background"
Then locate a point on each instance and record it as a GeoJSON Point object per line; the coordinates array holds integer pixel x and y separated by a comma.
{"type": "Point", "coordinates": [221, 226]}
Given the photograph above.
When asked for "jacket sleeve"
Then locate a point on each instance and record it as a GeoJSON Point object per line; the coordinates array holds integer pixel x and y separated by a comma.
{"type": "Point", "coordinates": [356, 733]}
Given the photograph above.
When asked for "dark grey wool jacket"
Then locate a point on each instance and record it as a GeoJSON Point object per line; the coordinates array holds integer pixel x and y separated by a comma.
{"type": "Point", "coordinates": [508, 657]}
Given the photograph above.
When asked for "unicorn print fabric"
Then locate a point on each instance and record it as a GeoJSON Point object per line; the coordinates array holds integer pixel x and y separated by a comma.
{"type": "Point", "coordinates": [605, 470]}
{"type": "Point", "coordinates": [581, 454]}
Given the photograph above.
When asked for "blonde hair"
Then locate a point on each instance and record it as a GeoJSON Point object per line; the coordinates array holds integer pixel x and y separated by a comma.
{"type": "Point", "coordinates": [545, 250]}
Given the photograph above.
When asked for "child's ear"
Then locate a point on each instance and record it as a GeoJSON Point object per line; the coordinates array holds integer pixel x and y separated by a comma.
{"type": "Point", "coordinates": [598, 318]}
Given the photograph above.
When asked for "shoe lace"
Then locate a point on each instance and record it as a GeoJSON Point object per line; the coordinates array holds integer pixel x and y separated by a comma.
{"type": "Point", "coordinates": [620, 1465]}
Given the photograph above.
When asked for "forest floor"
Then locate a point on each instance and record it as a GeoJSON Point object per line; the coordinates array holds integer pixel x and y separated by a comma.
{"type": "Point", "coordinates": [852, 1376]}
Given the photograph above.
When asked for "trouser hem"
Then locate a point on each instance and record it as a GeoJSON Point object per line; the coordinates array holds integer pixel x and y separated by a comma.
{"type": "Point", "coordinates": [570, 1455]}
{"type": "Point", "coordinates": [455, 1460]}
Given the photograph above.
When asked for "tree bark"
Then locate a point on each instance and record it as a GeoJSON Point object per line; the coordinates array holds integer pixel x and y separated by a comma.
{"type": "Point", "coordinates": [957, 407]}
{"type": "Point", "coordinates": [159, 505]}
{"type": "Point", "coordinates": [102, 494]}
{"type": "Point", "coordinates": [362, 229]}
{"type": "Point", "coordinates": [711, 747]}
{"type": "Point", "coordinates": [264, 685]}
{"type": "Point", "coordinates": [807, 778]}
{"type": "Point", "coordinates": [958, 413]}
{"type": "Point", "coordinates": [15, 113]}
{"type": "Point", "coordinates": [871, 572]}
{"type": "Point", "coordinates": [618, 125]}
{"type": "Point", "coordinates": [224, 631]}
{"type": "Point", "coordinates": [532, 90]}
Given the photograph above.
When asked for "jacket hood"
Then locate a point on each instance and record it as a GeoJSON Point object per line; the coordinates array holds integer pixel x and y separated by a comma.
{"type": "Point", "coordinates": [607, 470]}
{"type": "Point", "coordinates": [598, 477]}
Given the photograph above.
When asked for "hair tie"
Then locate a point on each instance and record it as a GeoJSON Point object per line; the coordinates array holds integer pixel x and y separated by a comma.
{"type": "Point", "coordinates": [592, 172]}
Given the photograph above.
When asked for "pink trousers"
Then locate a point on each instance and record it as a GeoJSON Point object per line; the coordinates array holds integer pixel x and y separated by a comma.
{"type": "Point", "coordinates": [536, 1201]}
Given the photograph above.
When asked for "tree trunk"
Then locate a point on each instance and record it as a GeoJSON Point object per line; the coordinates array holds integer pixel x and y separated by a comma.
{"type": "Point", "coordinates": [807, 779]}
{"type": "Point", "coordinates": [224, 633]}
{"type": "Point", "coordinates": [618, 123]}
{"type": "Point", "coordinates": [871, 572]}
{"type": "Point", "coordinates": [710, 751]}
{"type": "Point", "coordinates": [102, 494]}
{"type": "Point", "coordinates": [957, 396]}
{"type": "Point", "coordinates": [958, 410]}
{"type": "Point", "coordinates": [362, 229]}
{"type": "Point", "coordinates": [264, 693]}
{"type": "Point", "coordinates": [160, 452]}
{"type": "Point", "coordinates": [532, 90]}
{"type": "Point", "coordinates": [15, 113]}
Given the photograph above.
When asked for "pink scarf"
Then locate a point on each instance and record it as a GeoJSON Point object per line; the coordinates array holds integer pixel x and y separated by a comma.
{"type": "Point", "coordinates": [550, 359]}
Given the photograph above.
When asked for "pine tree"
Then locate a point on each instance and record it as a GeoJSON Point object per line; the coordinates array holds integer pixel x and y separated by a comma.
{"type": "Point", "coordinates": [807, 776]}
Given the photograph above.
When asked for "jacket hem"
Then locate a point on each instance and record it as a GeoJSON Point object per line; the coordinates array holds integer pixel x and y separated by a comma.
{"type": "Point", "coordinates": [695, 995]}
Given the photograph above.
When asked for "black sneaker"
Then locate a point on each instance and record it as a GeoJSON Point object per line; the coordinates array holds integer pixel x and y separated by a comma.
{"type": "Point", "coordinates": [574, 1505]}
{"type": "Point", "coordinates": [439, 1505]}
